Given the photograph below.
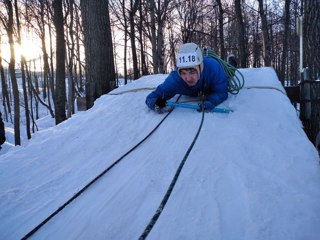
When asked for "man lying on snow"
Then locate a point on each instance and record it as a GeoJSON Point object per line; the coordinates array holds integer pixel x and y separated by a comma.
{"type": "Point", "coordinates": [194, 76]}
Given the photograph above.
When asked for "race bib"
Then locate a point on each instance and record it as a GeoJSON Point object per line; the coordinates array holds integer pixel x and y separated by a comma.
{"type": "Point", "coordinates": [187, 59]}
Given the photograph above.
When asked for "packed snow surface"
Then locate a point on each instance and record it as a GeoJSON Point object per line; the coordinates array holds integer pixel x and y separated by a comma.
{"type": "Point", "coordinates": [252, 174]}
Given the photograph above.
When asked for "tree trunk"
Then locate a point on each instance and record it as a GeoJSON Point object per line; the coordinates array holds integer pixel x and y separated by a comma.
{"type": "Point", "coordinates": [4, 88]}
{"type": "Point", "coordinates": [60, 93]}
{"type": "Point", "coordinates": [144, 67]}
{"type": "Point", "coordinates": [132, 12]}
{"type": "Point", "coordinates": [28, 75]}
{"type": "Point", "coordinates": [284, 54]}
{"type": "Point", "coordinates": [153, 36]}
{"type": "Point", "coordinates": [125, 42]}
{"type": "Point", "coordinates": [70, 60]}
{"type": "Point", "coordinates": [46, 68]}
{"type": "Point", "coordinates": [241, 34]}
{"type": "Point", "coordinates": [156, 30]}
{"type": "Point", "coordinates": [80, 75]}
{"type": "Point", "coordinates": [256, 45]}
{"type": "Point", "coordinates": [221, 35]}
{"type": "Point", "coordinates": [265, 35]}
{"type": "Point", "coordinates": [23, 74]}
{"type": "Point", "coordinates": [162, 11]}
{"type": "Point", "coordinates": [12, 63]}
{"type": "Point", "coordinates": [51, 76]}
{"type": "Point", "coordinates": [160, 45]}
{"type": "Point", "coordinates": [311, 36]}
{"type": "Point", "coordinates": [100, 72]}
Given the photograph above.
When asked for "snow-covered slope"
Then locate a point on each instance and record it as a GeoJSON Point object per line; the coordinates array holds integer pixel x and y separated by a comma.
{"type": "Point", "coordinates": [252, 174]}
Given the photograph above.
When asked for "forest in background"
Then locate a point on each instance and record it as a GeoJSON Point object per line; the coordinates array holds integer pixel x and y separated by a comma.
{"type": "Point", "coordinates": [86, 45]}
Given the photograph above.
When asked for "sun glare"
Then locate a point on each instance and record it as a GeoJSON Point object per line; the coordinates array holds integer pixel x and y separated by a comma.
{"type": "Point", "coordinates": [29, 49]}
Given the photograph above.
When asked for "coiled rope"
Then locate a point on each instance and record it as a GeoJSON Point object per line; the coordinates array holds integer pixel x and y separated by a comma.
{"type": "Point", "coordinates": [235, 81]}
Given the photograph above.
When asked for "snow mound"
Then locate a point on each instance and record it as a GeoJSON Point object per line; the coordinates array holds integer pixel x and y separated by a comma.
{"type": "Point", "coordinates": [252, 174]}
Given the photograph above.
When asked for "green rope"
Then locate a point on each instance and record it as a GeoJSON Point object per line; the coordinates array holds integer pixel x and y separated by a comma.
{"type": "Point", "coordinates": [266, 87]}
{"type": "Point", "coordinates": [235, 81]}
{"type": "Point", "coordinates": [133, 90]}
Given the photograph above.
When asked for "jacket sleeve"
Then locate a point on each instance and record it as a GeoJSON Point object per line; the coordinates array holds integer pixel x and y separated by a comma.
{"type": "Point", "coordinates": [218, 82]}
{"type": "Point", "coordinates": [165, 90]}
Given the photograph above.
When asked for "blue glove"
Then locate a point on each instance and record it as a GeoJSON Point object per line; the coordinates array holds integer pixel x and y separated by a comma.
{"type": "Point", "coordinates": [206, 106]}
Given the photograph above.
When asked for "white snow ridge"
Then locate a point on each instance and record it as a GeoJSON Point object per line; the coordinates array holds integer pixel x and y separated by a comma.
{"type": "Point", "coordinates": [252, 174]}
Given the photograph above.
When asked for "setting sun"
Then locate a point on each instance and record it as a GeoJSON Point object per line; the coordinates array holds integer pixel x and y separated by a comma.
{"type": "Point", "coordinates": [29, 49]}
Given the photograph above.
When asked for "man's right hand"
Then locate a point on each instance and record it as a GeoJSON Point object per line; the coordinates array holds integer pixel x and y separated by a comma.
{"type": "Point", "coordinates": [160, 103]}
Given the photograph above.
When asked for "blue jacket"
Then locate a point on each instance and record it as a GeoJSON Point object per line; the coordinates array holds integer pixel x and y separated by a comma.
{"type": "Point", "coordinates": [216, 85]}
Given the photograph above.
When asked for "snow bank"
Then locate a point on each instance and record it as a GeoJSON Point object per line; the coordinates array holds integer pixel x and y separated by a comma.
{"type": "Point", "coordinates": [252, 174]}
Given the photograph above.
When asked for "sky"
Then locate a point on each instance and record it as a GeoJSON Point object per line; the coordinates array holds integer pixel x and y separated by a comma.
{"type": "Point", "coordinates": [251, 174]}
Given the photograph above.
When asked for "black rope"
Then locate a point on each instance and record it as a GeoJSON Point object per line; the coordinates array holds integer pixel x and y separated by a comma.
{"type": "Point", "coordinates": [93, 181]}
{"type": "Point", "coordinates": [172, 184]}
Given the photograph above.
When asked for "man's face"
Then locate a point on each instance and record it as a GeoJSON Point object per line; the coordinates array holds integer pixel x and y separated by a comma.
{"type": "Point", "coordinates": [190, 76]}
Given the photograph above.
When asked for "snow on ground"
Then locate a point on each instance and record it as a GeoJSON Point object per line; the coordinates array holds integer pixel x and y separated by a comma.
{"type": "Point", "coordinates": [252, 174]}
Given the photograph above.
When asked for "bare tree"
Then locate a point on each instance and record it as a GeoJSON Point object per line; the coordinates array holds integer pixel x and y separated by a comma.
{"type": "Point", "coordinates": [265, 34]}
{"type": "Point", "coordinates": [241, 34]}
{"type": "Point", "coordinates": [125, 23]}
{"type": "Point", "coordinates": [70, 59]}
{"type": "Point", "coordinates": [144, 67]}
{"type": "Point", "coordinates": [221, 35]}
{"type": "Point", "coordinates": [120, 11]}
{"type": "Point", "coordinates": [155, 23]}
{"type": "Point", "coordinates": [10, 31]}
{"type": "Point", "coordinates": [256, 43]}
{"type": "Point", "coordinates": [132, 33]}
{"type": "Point", "coordinates": [286, 30]}
{"type": "Point", "coordinates": [23, 74]}
{"type": "Point", "coordinates": [100, 72]}
{"type": "Point", "coordinates": [42, 18]}
{"type": "Point", "coordinates": [79, 63]}
{"type": "Point", "coordinates": [60, 92]}
{"type": "Point", "coordinates": [188, 13]}
{"type": "Point", "coordinates": [4, 88]}
{"type": "Point", "coordinates": [49, 12]}
{"type": "Point", "coordinates": [311, 32]}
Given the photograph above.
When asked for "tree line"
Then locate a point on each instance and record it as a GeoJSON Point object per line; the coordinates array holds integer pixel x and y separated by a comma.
{"type": "Point", "coordinates": [86, 45]}
{"type": "Point", "coordinates": [76, 48]}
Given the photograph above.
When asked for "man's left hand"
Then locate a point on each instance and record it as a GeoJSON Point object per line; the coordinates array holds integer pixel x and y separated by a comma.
{"type": "Point", "coordinates": [206, 106]}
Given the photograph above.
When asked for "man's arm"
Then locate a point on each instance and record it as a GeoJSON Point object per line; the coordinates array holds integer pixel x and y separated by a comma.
{"type": "Point", "coordinates": [218, 83]}
{"type": "Point", "coordinates": [165, 91]}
